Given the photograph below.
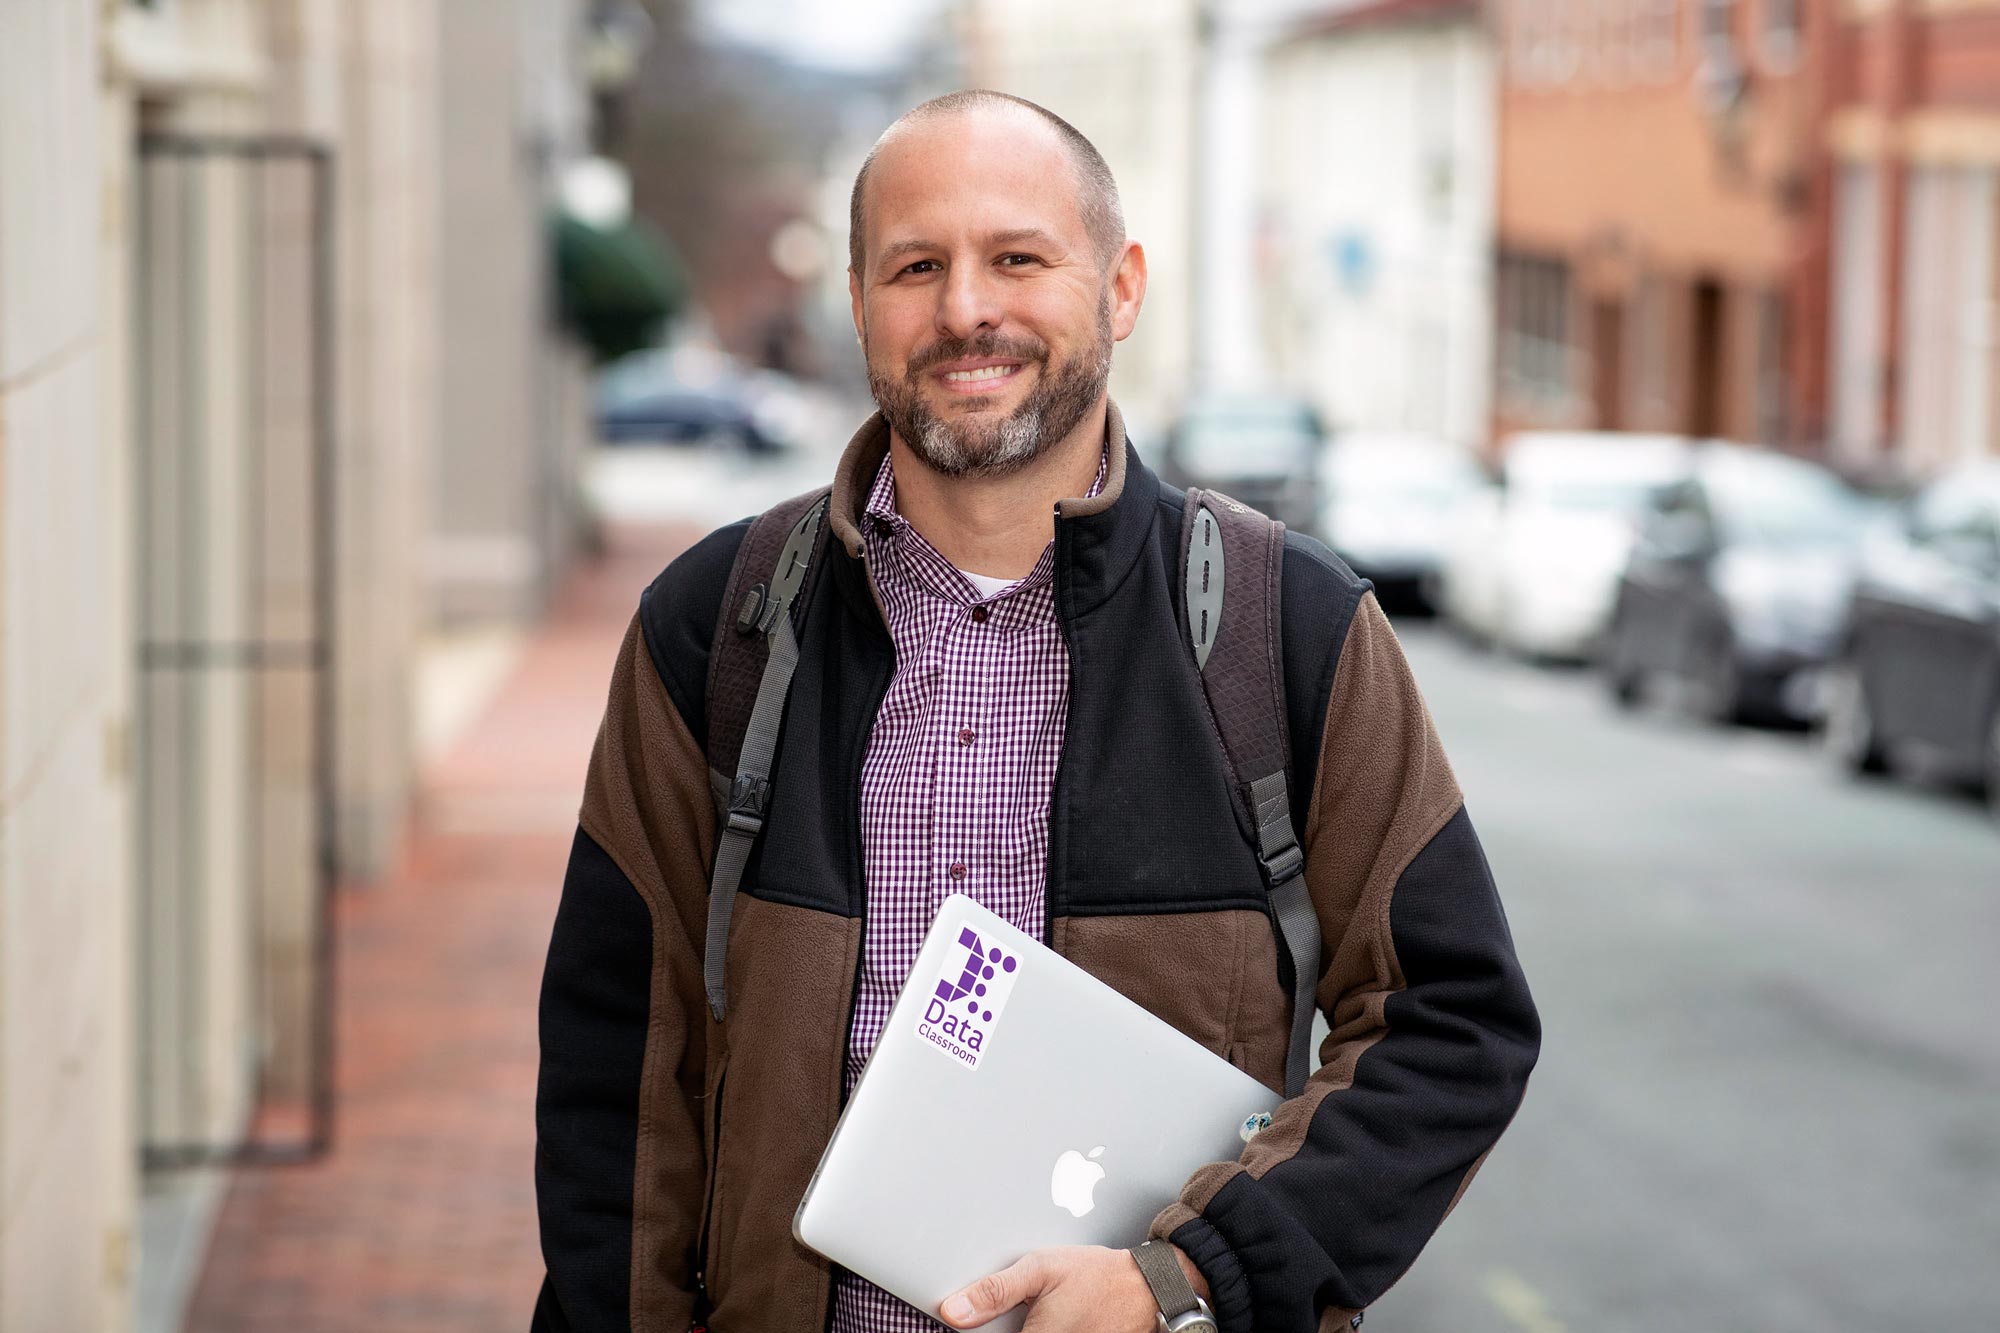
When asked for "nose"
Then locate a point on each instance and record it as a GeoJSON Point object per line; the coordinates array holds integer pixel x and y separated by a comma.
{"type": "Point", "coordinates": [969, 302]}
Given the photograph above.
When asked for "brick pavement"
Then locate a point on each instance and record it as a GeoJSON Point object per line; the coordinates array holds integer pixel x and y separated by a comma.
{"type": "Point", "coordinates": [423, 1217]}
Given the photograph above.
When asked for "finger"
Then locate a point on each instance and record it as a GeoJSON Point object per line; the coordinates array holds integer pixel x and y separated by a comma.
{"type": "Point", "coordinates": [996, 1293]}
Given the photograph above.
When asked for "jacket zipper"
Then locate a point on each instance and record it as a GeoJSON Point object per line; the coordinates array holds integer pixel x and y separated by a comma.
{"type": "Point", "coordinates": [857, 869]}
{"type": "Point", "coordinates": [1049, 876]}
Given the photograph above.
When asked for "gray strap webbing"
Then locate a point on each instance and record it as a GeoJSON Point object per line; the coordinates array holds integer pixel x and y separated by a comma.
{"type": "Point", "coordinates": [1279, 850]}
{"type": "Point", "coordinates": [750, 790]}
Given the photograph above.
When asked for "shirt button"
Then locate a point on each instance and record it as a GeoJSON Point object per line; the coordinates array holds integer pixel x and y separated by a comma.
{"type": "Point", "coordinates": [958, 870]}
{"type": "Point", "coordinates": [966, 736]}
{"type": "Point", "coordinates": [979, 614]}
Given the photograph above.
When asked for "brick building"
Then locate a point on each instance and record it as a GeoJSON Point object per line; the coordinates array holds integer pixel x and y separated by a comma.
{"type": "Point", "coordinates": [1660, 254]}
{"type": "Point", "coordinates": [1914, 135]}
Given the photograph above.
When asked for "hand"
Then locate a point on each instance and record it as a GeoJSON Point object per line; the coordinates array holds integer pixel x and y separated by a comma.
{"type": "Point", "coordinates": [1074, 1287]}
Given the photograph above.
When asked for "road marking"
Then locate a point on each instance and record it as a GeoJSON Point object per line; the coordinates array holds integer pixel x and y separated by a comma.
{"type": "Point", "coordinates": [1520, 1303]}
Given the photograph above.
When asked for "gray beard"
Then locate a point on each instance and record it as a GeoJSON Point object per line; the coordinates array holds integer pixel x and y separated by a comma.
{"type": "Point", "coordinates": [995, 449]}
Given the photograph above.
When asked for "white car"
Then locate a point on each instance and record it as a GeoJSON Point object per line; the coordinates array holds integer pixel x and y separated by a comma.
{"type": "Point", "coordinates": [1388, 502]}
{"type": "Point", "coordinates": [1534, 563]}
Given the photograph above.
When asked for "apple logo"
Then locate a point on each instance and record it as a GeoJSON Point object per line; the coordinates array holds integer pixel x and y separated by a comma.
{"type": "Point", "coordinates": [1072, 1181]}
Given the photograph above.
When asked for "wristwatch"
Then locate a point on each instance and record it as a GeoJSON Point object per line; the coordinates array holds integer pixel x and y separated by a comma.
{"type": "Point", "coordinates": [1181, 1311]}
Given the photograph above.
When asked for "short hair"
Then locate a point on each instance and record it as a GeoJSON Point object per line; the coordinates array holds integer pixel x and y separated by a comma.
{"type": "Point", "coordinates": [1097, 192]}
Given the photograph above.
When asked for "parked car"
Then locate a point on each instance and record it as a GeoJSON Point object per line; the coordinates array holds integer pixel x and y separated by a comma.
{"type": "Point", "coordinates": [678, 397]}
{"type": "Point", "coordinates": [1262, 449]}
{"type": "Point", "coordinates": [1919, 673]}
{"type": "Point", "coordinates": [1387, 503]}
{"type": "Point", "coordinates": [1534, 562]}
{"type": "Point", "coordinates": [1738, 585]}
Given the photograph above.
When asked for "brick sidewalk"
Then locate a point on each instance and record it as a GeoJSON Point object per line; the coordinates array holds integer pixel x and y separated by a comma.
{"type": "Point", "coordinates": [423, 1218]}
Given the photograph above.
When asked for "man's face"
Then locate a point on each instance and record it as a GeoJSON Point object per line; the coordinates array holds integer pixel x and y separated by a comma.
{"type": "Point", "coordinates": [985, 315]}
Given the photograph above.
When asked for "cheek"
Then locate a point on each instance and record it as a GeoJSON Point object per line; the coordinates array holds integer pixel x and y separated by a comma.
{"type": "Point", "coordinates": [893, 331]}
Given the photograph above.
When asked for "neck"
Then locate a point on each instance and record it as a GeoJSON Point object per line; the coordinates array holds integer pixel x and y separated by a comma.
{"type": "Point", "coordinates": [998, 525]}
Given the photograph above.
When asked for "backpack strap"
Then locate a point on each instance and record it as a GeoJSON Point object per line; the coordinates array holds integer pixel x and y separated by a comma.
{"type": "Point", "coordinates": [1228, 545]}
{"type": "Point", "coordinates": [750, 665]}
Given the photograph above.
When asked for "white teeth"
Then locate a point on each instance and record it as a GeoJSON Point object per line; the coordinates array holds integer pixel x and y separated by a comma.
{"type": "Point", "coordinates": [986, 373]}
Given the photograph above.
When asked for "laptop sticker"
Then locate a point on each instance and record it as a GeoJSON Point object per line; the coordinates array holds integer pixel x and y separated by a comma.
{"type": "Point", "coordinates": [971, 992]}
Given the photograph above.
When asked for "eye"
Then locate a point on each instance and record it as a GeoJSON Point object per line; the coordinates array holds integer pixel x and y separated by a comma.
{"type": "Point", "coordinates": [1009, 260]}
{"type": "Point", "coordinates": [919, 266]}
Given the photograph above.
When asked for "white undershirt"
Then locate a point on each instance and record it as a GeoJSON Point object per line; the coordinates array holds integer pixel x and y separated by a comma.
{"type": "Point", "coordinates": [987, 584]}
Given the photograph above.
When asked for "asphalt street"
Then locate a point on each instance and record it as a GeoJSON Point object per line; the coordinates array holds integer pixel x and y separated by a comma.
{"type": "Point", "coordinates": [1769, 1095]}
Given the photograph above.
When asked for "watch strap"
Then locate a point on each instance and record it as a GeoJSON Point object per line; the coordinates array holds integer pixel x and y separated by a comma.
{"type": "Point", "coordinates": [1163, 1274]}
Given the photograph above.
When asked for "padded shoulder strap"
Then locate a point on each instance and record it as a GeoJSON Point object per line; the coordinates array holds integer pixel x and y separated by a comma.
{"type": "Point", "coordinates": [1234, 561]}
{"type": "Point", "coordinates": [750, 670]}
{"type": "Point", "coordinates": [736, 659]}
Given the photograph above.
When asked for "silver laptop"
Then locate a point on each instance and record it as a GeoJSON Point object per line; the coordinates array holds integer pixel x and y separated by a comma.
{"type": "Point", "coordinates": [1013, 1101]}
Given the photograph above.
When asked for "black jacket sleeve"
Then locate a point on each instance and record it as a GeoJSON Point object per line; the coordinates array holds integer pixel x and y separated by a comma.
{"type": "Point", "coordinates": [1433, 1031]}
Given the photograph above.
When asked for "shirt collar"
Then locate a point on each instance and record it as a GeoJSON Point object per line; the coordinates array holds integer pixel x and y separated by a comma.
{"type": "Point", "coordinates": [884, 526]}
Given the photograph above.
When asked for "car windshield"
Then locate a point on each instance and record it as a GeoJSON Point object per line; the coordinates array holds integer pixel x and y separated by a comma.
{"type": "Point", "coordinates": [1419, 474]}
{"type": "Point", "coordinates": [1262, 444]}
{"type": "Point", "coordinates": [1603, 494]}
{"type": "Point", "coordinates": [1778, 503]}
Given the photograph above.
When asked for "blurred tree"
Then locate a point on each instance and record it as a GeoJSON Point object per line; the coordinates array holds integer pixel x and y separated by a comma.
{"type": "Point", "coordinates": [617, 286]}
{"type": "Point", "coordinates": [725, 145]}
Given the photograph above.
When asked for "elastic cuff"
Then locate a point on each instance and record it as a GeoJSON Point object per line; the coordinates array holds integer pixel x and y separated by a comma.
{"type": "Point", "coordinates": [1228, 1287]}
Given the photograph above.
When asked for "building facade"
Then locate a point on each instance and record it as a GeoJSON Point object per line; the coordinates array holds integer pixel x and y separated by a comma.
{"type": "Point", "coordinates": [1914, 138]}
{"type": "Point", "coordinates": [1376, 199]}
{"type": "Point", "coordinates": [1660, 259]}
{"type": "Point", "coordinates": [234, 429]}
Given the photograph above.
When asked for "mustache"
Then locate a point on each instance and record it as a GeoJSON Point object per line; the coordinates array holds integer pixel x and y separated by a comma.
{"type": "Point", "coordinates": [992, 344]}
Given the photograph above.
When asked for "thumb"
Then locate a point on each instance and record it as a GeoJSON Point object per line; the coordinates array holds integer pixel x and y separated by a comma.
{"type": "Point", "coordinates": [995, 1294]}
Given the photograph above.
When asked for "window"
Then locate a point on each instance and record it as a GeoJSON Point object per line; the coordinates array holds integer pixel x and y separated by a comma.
{"type": "Point", "coordinates": [1656, 38]}
{"type": "Point", "coordinates": [1718, 27]}
{"type": "Point", "coordinates": [1612, 52]}
{"type": "Point", "coordinates": [1534, 348]}
{"type": "Point", "coordinates": [1773, 340]}
{"type": "Point", "coordinates": [1778, 40]}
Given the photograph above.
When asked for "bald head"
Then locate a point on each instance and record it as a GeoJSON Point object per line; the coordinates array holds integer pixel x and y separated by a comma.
{"type": "Point", "coordinates": [1096, 192]}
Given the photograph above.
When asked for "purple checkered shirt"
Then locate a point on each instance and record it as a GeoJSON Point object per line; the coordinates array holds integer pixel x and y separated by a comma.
{"type": "Point", "coordinates": [955, 788]}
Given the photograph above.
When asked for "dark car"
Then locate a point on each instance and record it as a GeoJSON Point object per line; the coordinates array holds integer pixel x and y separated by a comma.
{"type": "Point", "coordinates": [682, 416]}
{"type": "Point", "coordinates": [1261, 449]}
{"type": "Point", "coordinates": [1919, 673]}
{"type": "Point", "coordinates": [1738, 584]}
{"type": "Point", "coordinates": [659, 397]}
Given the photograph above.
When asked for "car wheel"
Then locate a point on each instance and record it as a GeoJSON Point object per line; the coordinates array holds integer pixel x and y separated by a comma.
{"type": "Point", "coordinates": [1848, 728]}
{"type": "Point", "coordinates": [1621, 673]}
{"type": "Point", "coordinates": [1718, 682]}
{"type": "Point", "coordinates": [1993, 763]}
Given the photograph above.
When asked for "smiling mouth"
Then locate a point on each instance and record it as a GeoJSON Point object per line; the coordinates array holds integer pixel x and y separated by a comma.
{"type": "Point", "coordinates": [982, 379]}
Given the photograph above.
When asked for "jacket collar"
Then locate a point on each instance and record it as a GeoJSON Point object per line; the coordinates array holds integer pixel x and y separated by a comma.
{"type": "Point", "coordinates": [1097, 537]}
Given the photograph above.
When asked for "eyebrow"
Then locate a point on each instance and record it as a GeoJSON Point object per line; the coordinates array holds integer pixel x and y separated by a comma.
{"type": "Point", "coordinates": [1011, 236]}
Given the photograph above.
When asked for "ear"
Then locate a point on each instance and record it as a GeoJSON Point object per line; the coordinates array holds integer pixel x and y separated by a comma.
{"type": "Point", "coordinates": [854, 300]}
{"type": "Point", "coordinates": [1128, 290]}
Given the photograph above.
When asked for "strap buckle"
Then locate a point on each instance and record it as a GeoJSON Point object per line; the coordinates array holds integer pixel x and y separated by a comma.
{"type": "Point", "coordinates": [1286, 865]}
{"type": "Point", "coordinates": [749, 795]}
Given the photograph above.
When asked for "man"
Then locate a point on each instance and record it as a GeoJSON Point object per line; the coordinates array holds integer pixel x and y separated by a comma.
{"type": "Point", "coordinates": [993, 696]}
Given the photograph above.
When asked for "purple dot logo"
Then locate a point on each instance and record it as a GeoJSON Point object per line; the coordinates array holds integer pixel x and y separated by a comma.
{"type": "Point", "coordinates": [980, 979]}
